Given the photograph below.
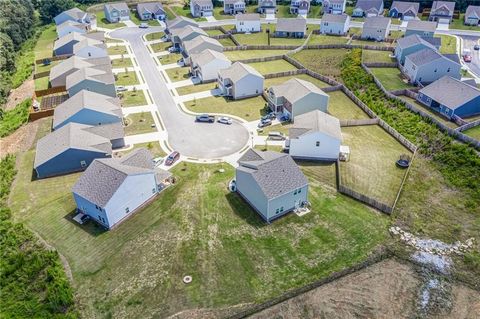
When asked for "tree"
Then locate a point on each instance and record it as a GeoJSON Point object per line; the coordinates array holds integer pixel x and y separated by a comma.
{"type": "Point", "coordinates": [7, 53]}
{"type": "Point", "coordinates": [51, 8]}
{"type": "Point", "coordinates": [17, 20]}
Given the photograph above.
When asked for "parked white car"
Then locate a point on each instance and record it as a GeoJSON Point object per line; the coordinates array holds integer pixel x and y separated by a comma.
{"type": "Point", "coordinates": [225, 120]}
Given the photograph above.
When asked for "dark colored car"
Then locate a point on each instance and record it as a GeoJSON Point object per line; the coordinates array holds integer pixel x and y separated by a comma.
{"type": "Point", "coordinates": [205, 118]}
{"type": "Point", "coordinates": [476, 47]}
{"type": "Point", "coordinates": [467, 58]}
{"type": "Point", "coordinates": [172, 158]}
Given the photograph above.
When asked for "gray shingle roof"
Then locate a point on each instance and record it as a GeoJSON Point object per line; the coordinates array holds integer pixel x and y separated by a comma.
{"type": "Point", "coordinates": [451, 92]}
{"type": "Point", "coordinates": [473, 11]}
{"type": "Point", "coordinates": [89, 43]}
{"type": "Point", "coordinates": [117, 5]}
{"type": "Point", "coordinates": [67, 38]}
{"type": "Point", "coordinates": [366, 5]}
{"type": "Point", "coordinates": [295, 89]}
{"type": "Point", "coordinates": [113, 131]}
{"type": "Point", "coordinates": [70, 136]}
{"type": "Point", "coordinates": [404, 6]}
{"type": "Point", "coordinates": [75, 13]}
{"type": "Point", "coordinates": [237, 71]}
{"type": "Point", "coordinates": [203, 2]}
{"type": "Point", "coordinates": [103, 177]}
{"type": "Point", "coordinates": [316, 121]}
{"type": "Point", "coordinates": [233, 1]}
{"type": "Point", "coordinates": [419, 25]}
{"type": "Point", "coordinates": [334, 18]}
{"type": "Point", "coordinates": [450, 6]}
{"type": "Point", "coordinates": [248, 17]}
{"type": "Point", "coordinates": [291, 25]}
{"type": "Point", "coordinates": [173, 24]}
{"type": "Point", "coordinates": [70, 23]}
{"type": "Point", "coordinates": [89, 74]}
{"type": "Point", "coordinates": [267, 3]}
{"type": "Point", "coordinates": [194, 43]}
{"type": "Point", "coordinates": [187, 30]}
{"type": "Point", "coordinates": [207, 56]}
{"type": "Point", "coordinates": [86, 100]}
{"type": "Point", "coordinates": [72, 63]}
{"type": "Point", "coordinates": [377, 22]}
{"type": "Point", "coordinates": [412, 40]}
{"type": "Point", "coordinates": [275, 173]}
{"type": "Point", "coordinates": [424, 56]}
{"type": "Point", "coordinates": [150, 7]}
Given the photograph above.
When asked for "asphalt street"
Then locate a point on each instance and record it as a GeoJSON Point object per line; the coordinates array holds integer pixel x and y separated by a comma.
{"type": "Point", "coordinates": [191, 139]}
{"type": "Point", "coordinates": [468, 43]}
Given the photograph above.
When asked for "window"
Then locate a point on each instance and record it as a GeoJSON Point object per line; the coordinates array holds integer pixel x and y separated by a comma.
{"type": "Point", "coordinates": [299, 190]}
{"type": "Point", "coordinates": [83, 163]}
{"type": "Point", "coordinates": [281, 209]}
{"type": "Point", "coordinates": [277, 211]}
{"type": "Point", "coordinates": [127, 210]}
{"type": "Point", "coordinates": [295, 192]}
{"type": "Point", "coordinates": [448, 70]}
{"type": "Point", "coordinates": [317, 143]}
{"type": "Point", "coordinates": [153, 190]}
{"type": "Point", "coordinates": [435, 71]}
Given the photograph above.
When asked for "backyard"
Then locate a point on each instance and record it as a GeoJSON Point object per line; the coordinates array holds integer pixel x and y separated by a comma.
{"type": "Point", "coordinates": [326, 61]}
{"type": "Point", "coordinates": [326, 39]}
{"type": "Point", "coordinates": [390, 78]}
{"type": "Point", "coordinates": [139, 123]}
{"type": "Point", "coordinates": [197, 228]}
{"type": "Point", "coordinates": [371, 169]}
{"type": "Point", "coordinates": [153, 147]}
{"type": "Point", "coordinates": [261, 38]}
{"type": "Point", "coordinates": [343, 108]}
{"type": "Point", "coordinates": [275, 81]}
{"type": "Point", "coordinates": [377, 56]}
{"type": "Point", "coordinates": [133, 98]}
{"type": "Point", "coordinates": [473, 132]}
{"type": "Point", "coordinates": [429, 111]}
{"type": "Point", "coordinates": [44, 47]}
{"type": "Point", "coordinates": [274, 66]}
{"type": "Point", "coordinates": [249, 54]}
{"type": "Point", "coordinates": [249, 109]}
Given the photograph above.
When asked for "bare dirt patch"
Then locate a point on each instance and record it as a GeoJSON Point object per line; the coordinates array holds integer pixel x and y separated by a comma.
{"type": "Point", "coordinates": [19, 141]}
{"type": "Point", "coordinates": [19, 94]}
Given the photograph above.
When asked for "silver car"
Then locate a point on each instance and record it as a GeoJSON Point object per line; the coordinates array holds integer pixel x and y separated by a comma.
{"type": "Point", "coordinates": [225, 120]}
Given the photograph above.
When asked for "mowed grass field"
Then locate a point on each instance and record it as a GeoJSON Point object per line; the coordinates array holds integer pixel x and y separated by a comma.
{"type": "Point", "coordinates": [249, 109]}
{"type": "Point", "coordinates": [117, 49]}
{"type": "Point", "coordinates": [275, 81]}
{"type": "Point", "coordinates": [178, 74]}
{"type": "Point", "coordinates": [371, 56]}
{"type": "Point", "coordinates": [196, 88]}
{"type": "Point", "coordinates": [139, 123]}
{"type": "Point", "coordinates": [274, 66]}
{"type": "Point", "coordinates": [261, 38]}
{"type": "Point", "coordinates": [473, 132]}
{"type": "Point", "coordinates": [390, 78]}
{"type": "Point", "coordinates": [326, 39]}
{"type": "Point", "coordinates": [249, 54]}
{"type": "Point", "coordinates": [343, 108]}
{"type": "Point", "coordinates": [197, 228]}
{"type": "Point", "coordinates": [326, 62]}
{"type": "Point", "coordinates": [133, 98]}
{"type": "Point", "coordinates": [371, 169]}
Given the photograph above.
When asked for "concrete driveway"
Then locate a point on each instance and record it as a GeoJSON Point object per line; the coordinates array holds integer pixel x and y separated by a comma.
{"type": "Point", "coordinates": [195, 140]}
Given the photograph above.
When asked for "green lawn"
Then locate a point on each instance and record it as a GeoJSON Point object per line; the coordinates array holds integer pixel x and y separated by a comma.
{"type": "Point", "coordinates": [429, 111]}
{"type": "Point", "coordinates": [250, 109]}
{"type": "Point", "coordinates": [227, 42]}
{"type": "Point", "coordinates": [283, 11]}
{"type": "Point", "coordinates": [267, 147]}
{"type": "Point", "coordinates": [459, 24]}
{"type": "Point", "coordinates": [326, 62]}
{"type": "Point", "coordinates": [355, 31]}
{"type": "Point", "coordinates": [169, 58]}
{"type": "Point", "coordinates": [44, 47]}
{"type": "Point", "coordinates": [133, 98]}
{"type": "Point", "coordinates": [42, 83]}
{"type": "Point", "coordinates": [370, 56]}
{"type": "Point", "coordinates": [39, 68]}
{"type": "Point", "coordinates": [390, 78]}
{"type": "Point", "coordinates": [161, 46]}
{"type": "Point", "coordinates": [153, 147]}
{"type": "Point", "coordinates": [326, 39]}
{"type": "Point", "coordinates": [111, 40]}
{"type": "Point", "coordinates": [473, 132]}
{"type": "Point", "coordinates": [169, 12]}
{"type": "Point", "coordinates": [102, 22]}
{"type": "Point", "coordinates": [371, 169]}
{"type": "Point", "coordinates": [154, 36]}
{"type": "Point", "coordinates": [214, 32]}
{"type": "Point", "coordinates": [250, 54]}
{"type": "Point", "coordinates": [367, 42]}
{"type": "Point", "coordinates": [185, 11]}
{"type": "Point", "coordinates": [306, 77]}
{"type": "Point", "coordinates": [220, 15]}
{"type": "Point", "coordinates": [196, 88]}
{"type": "Point", "coordinates": [282, 128]}
{"type": "Point", "coordinates": [449, 44]}
{"type": "Point", "coordinates": [135, 19]}
{"type": "Point", "coordinates": [126, 78]}
{"type": "Point", "coordinates": [343, 108]}
{"type": "Point", "coordinates": [117, 50]}
{"type": "Point", "coordinates": [139, 123]}
{"type": "Point", "coordinates": [198, 228]}
{"type": "Point", "coordinates": [273, 66]}
{"type": "Point", "coordinates": [178, 74]}
{"type": "Point", "coordinates": [261, 38]}
{"type": "Point", "coordinates": [122, 63]}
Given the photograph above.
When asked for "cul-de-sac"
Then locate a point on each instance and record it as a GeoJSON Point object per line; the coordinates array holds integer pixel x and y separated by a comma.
{"type": "Point", "coordinates": [240, 159]}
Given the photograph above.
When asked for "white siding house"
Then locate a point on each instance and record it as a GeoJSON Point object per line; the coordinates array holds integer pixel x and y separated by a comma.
{"type": "Point", "coordinates": [116, 12]}
{"type": "Point", "coordinates": [201, 8]}
{"type": "Point", "coordinates": [334, 24]}
{"type": "Point", "coordinates": [90, 48]}
{"type": "Point", "coordinates": [240, 81]}
{"type": "Point", "coordinates": [271, 183]}
{"type": "Point", "coordinates": [247, 22]}
{"type": "Point", "coordinates": [315, 136]}
{"type": "Point", "coordinates": [376, 28]}
{"type": "Point", "coordinates": [206, 65]}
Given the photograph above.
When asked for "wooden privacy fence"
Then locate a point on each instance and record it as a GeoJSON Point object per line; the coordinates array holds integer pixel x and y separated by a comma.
{"type": "Point", "coordinates": [41, 75]}
{"type": "Point", "coordinates": [54, 58]}
{"type": "Point", "coordinates": [260, 47]}
{"type": "Point", "coordinates": [348, 47]}
{"type": "Point", "coordinates": [36, 115]}
{"type": "Point", "coordinates": [49, 91]}
{"type": "Point", "coordinates": [384, 208]}
{"type": "Point", "coordinates": [283, 74]}
{"type": "Point", "coordinates": [361, 122]}
{"type": "Point", "coordinates": [264, 59]}
{"type": "Point", "coordinates": [381, 64]}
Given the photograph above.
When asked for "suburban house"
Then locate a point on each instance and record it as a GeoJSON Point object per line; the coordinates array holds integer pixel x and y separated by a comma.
{"type": "Point", "coordinates": [88, 108]}
{"type": "Point", "coordinates": [201, 43]}
{"type": "Point", "coordinates": [240, 81]}
{"type": "Point", "coordinates": [112, 189]}
{"type": "Point", "coordinates": [205, 65]}
{"type": "Point", "coordinates": [116, 11]}
{"type": "Point", "coordinates": [425, 29]}
{"type": "Point", "coordinates": [404, 10]}
{"type": "Point", "coordinates": [90, 48]}
{"type": "Point", "coordinates": [71, 27]}
{"type": "Point", "coordinates": [376, 28]}
{"type": "Point", "coordinates": [428, 65]}
{"type": "Point", "coordinates": [300, 7]}
{"type": "Point", "coordinates": [64, 45]}
{"type": "Point", "coordinates": [335, 24]}
{"type": "Point", "coordinates": [178, 23]}
{"type": "Point", "coordinates": [408, 45]}
{"type": "Point", "coordinates": [247, 22]}
{"type": "Point", "coordinates": [368, 8]}
{"type": "Point", "coordinates": [271, 183]}
{"type": "Point", "coordinates": [74, 15]}
{"type": "Point", "coordinates": [291, 28]}
{"type": "Point", "coordinates": [449, 96]}
{"type": "Point", "coordinates": [472, 15]}
{"type": "Point", "coordinates": [334, 6]}
{"type": "Point", "coordinates": [186, 34]}
{"type": "Point", "coordinates": [113, 131]}
{"type": "Point", "coordinates": [295, 97]}
{"type": "Point", "coordinates": [315, 136]}
{"type": "Point", "coordinates": [90, 79]}
{"type": "Point", "coordinates": [233, 6]}
{"type": "Point", "coordinates": [442, 11]}
{"type": "Point", "coordinates": [267, 6]}
{"type": "Point", "coordinates": [69, 149]}
{"type": "Point", "coordinates": [201, 8]}
{"type": "Point", "coordinates": [151, 11]}
{"type": "Point", "coordinates": [58, 73]}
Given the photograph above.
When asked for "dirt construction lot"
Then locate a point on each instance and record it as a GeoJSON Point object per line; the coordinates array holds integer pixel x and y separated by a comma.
{"type": "Point", "coordinates": [388, 289]}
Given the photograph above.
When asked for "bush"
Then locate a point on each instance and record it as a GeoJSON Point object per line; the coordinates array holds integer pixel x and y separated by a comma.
{"type": "Point", "coordinates": [13, 119]}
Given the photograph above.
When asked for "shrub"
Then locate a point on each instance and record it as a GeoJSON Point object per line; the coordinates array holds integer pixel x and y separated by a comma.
{"type": "Point", "coordinates": [13, 119]}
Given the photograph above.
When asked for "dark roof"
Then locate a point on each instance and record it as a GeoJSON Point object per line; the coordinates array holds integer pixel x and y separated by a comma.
{"type": "Point", "coordinates": [404, 6]}
{"type": "Point", "coordinates": [248, 17]}
{"type": "Point", "coordinates": [435, 41]}
{"type": "Point", "coordinates": [291, 25]}
{"type": "Point", "coordinates": [366, 5]}
{"type": "Point", "coordinates": [424, 56]}
{"type": "Point", "coordinates": [150, 7]}
{"type": "Point", "coordinates": [334, 18]}
{"type": "Point", "coordinates": [449, 5]}
{"type": "Point", "coordinates": [275, 173]}
{"type": "Point", "coordinates": [419, 25]}
{"type": "Point", "coordinates": [451, 92]}
{"type": "Point", "coordinates": [412, 40]}
{"type": "Point", "coordinates": [452, 56]}
{"type": "Point", "coordinates": [377, 22]}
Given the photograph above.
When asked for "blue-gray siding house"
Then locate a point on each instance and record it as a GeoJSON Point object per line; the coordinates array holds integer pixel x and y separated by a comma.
{"type": "Point", "coordinates": [91, 79]}
{"type": "Point", "coordinates": [404, 10]}
{"type": "Point", "coordinates": [271, 183]}
{"type": "Point", "coordinates": [449, 96]}
{"type": "Point", "coordinates": [74, 14]}
{"type": "Point", "coordinates": [64, 45]}
{"type": "Point", "coordinates": [111, 190]}
{"type": "Point", "coordinates": [409, 45]}
{"type": "Point", "coordinates": [425, 29]}
{"type": "Point", "coordinates": [151, 11]}
{"type": "Point", "coordinates": [116, 12]}
{"type": "Point", "coordinates": [69, 149]}
{"type": "Point", "coordinates": [291, 28]}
